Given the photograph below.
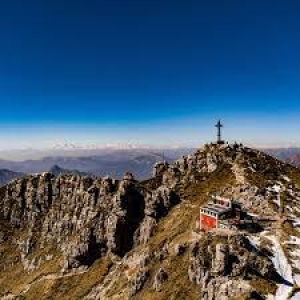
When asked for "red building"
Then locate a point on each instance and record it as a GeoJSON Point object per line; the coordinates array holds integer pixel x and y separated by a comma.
{"type": "Point", "coordinates": [220, 213]}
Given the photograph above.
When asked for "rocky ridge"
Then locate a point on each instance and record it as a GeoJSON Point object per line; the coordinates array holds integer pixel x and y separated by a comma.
{"type": "Point", "coordinates": [131, 237]}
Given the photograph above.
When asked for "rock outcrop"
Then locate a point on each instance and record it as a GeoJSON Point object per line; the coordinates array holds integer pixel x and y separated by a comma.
{"type": "Point", "coordinates": [124, 239]}
{"type": "Point", "coordinates": [220, 270]}
{"type": "Point", "coordinates": [160, 277]}
{"type": "Point", "coordinates": [83, 217]}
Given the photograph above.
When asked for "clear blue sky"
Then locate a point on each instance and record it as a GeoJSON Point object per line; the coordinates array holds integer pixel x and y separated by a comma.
{"type": "Point", "coordinates": [160, 72]}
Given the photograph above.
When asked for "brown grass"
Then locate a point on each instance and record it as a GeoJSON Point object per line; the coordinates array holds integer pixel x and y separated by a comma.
{"type": "Point", "coordinates": [263, 286]}
{"type": "Point", "coordinates": [70, 288]}
{"type": "Point", "coordinates": [176, 227]}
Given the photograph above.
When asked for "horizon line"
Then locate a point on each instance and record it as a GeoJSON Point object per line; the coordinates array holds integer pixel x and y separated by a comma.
{"type": "Point", "coordinates": [129, 146]}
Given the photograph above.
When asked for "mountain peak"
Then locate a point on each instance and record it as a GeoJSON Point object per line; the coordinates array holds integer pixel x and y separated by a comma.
{"type": "Point", "coordinates": [80, 237]}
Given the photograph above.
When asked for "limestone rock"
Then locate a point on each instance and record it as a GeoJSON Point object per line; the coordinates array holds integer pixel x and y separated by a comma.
{"type": "Point", "coordinates": [160, 277]}
{"type": "Point", "coordinates": [145, 230]}
{"type": "Point", "coordinates": [226, 289]}
{"type": "Point", "coordinates": [137, 282]}
{"type": "Point", "coordinates": [220, 262]}
{"type": "Point", "coordinates": [82, 217]}
{"type": "Point", "coordinates": [211, 267]}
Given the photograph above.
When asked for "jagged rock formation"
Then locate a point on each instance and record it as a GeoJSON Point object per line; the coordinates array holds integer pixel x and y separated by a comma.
{"type": "Point", "coordinates": [220, 270]}
{"type": "Point", "coordinates": [79, 237]}
{"type": "Point", "coordinates": [83, 217]}
{"type": "Point", "coordinates": [137, 282]}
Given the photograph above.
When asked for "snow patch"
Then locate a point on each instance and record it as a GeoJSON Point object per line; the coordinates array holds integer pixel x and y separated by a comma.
{"type": "Point", "coordinates": [276, 188]}
{"type": "Point", "coordinates": [283, 268]}
{"type": "Point", "coordinates": [296, 297]}
{"type": "Point", "coordinates": [286, 178]}
{"type": "Point", "coordinates": [252, 169]}
{"type": "Point", "coordinates": [252, 214]}
{"type": "Point", "coordinates": [254, 242]}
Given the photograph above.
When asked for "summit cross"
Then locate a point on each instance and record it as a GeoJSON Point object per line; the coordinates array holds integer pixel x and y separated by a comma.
{"type": "Point", "coordinates": [219, 126]}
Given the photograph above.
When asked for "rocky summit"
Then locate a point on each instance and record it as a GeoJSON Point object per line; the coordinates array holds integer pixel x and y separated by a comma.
{"type": "Point", "coordinates": [79, 237]}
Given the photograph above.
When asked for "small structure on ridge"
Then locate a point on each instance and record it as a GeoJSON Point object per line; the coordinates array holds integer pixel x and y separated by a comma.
{"type": "Point", "coordinates": [220, 213]}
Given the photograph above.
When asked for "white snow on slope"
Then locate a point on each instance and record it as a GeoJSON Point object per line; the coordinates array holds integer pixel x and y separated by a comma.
{"type": "Point", "coordinates": [283, 268]}
{"type": "Point", "coordinates": [294, 243]}
{"type": "Point", "coordinates": [276, 188]}
{"type": "Point", "coordinates": [296, 297]}
{"type": "Point", "coordinates": [254, 241]}
{"type": "Point", "coordinates": [286, 178]}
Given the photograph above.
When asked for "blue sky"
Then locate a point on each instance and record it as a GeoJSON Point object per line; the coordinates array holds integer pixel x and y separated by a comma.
{"type": "Point", "coordinates": [155, 72]}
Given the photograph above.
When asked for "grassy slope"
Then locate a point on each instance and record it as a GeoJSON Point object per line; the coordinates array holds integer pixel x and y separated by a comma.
{"type": "Point", "coordinates": [70, 288]}
{"type": "Point", "coordinates": [175, 227]}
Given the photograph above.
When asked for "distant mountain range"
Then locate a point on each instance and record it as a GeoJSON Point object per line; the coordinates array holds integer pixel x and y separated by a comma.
{"type": "Point", "coordinates": [83, 150]}
{"type": "Point", "coordinates": [112, 161]}
{"type": "Point", "coordinates": [8, 175]}
{"type": "Point", "coordinates": [57, 170]}
{"type": "Point", "coordinates": [283, 154]}
{"type": "Point", "coordinates": [294, 160]}
{"type": "Point", "coordinates": [288, 155]}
